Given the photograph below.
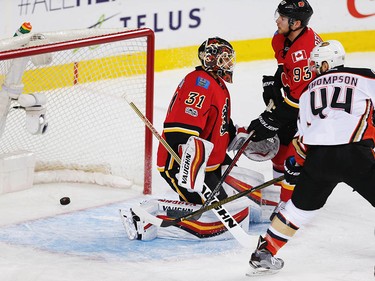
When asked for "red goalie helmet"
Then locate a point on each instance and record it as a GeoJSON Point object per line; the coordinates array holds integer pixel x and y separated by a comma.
{"type": "Point", "coordinates": [217, 55]}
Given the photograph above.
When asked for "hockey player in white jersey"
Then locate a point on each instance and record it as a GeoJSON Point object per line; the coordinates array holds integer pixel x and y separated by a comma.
{"type": "Point", "coordinates": [334, 143]}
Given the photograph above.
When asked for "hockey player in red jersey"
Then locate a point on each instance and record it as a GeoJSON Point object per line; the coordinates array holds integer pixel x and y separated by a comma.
{"type": "Point", "coordinates": [334, 143]}
{"type": "Point", "coordinates": [201, 107]}
{"type": "Point", "coordinates": [292, 44]}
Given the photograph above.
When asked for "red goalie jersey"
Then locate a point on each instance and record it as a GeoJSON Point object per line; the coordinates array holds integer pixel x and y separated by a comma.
{"type": "Point", "coordinates": [294, 59]}
{"type": "Point", "coordinates": [200, 107]}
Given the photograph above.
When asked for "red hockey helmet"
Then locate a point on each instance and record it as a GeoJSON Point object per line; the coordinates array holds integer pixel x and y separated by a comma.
{"type": "Point", "coordinates": [217, 55]}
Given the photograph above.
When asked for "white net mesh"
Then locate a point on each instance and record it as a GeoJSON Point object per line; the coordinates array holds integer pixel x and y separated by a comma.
{"type": "Point", "coordinates": [91, 126]}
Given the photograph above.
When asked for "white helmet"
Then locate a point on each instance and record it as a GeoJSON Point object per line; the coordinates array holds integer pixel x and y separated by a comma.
{"type": "Point", "coordinates": [330, 51]}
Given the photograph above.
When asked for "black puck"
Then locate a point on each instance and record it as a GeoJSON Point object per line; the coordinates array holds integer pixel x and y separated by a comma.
{"type": "Point", "coordinates": [65, 201]}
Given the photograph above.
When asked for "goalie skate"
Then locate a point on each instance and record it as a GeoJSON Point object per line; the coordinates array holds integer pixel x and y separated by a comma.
{"type": "Point", "coordinates": [127, 221]}
{"type": "Point", "coordinates": [136, 227]}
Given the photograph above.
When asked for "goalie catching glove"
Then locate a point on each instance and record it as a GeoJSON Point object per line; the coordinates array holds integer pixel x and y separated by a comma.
{"type": "Point", "coordinates": [257, 151]}
{"type": "Point", "coordinates": [195, 154]}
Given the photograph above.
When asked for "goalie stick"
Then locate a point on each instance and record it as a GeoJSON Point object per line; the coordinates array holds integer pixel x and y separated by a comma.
{"type": "Point", "coordinates": [225, 217]}
{"type": "Point", "coordinates": [174, 221]}
{"type": "Point", "coordinates": [228, 170]}
{"type": "Point", "coordinates": [240, 151]}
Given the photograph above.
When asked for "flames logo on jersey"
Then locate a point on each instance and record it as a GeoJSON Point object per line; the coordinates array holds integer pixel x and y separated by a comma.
{"type": "Point", "coordinates": [225, 118]}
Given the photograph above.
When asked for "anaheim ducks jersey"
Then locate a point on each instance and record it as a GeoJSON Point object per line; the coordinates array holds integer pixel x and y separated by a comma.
{"type": "Point", "coordinates": [293, 56]}
{"type": "Point", "coordinates": [337, 108]}
{"type": "Point", "coordinates": [200, 107]}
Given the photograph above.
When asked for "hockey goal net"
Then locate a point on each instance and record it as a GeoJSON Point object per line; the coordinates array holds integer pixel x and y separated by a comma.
{"type": "Point", "coordinates": [93, 135]}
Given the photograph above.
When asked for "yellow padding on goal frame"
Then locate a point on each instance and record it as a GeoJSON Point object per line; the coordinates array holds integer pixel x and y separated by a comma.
{"type": "Point", "coordinates": [65, 75]}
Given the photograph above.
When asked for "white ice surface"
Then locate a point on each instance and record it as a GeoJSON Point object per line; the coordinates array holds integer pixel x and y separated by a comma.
{"type": "Point", "coordinates": [40, 240]}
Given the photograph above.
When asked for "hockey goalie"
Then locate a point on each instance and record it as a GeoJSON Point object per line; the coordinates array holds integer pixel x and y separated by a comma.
{"type": "Point", "coordinates": [198, 127]}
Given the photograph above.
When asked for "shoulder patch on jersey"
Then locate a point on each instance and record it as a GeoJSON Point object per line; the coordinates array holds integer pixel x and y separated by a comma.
{"type": "Point", "coordinates": [299, 55]}
{"type": "Point", "coordinates": [201, 82]}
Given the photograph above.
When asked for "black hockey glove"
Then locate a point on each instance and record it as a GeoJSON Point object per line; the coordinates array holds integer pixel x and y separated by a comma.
{"type": "Point", "coordinates": [264, 127]}
{"type": "Point", "coordinates": [292, 170]}
{"type": "Point", "coordinates": [271, 91]}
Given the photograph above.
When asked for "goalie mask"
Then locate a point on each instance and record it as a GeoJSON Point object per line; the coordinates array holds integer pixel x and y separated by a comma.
{"type": "Point", "coordinates": [217, 56]}
{"type": "Point", "coordinates": [295, 10]}
{"type": "Point", "coordinates": [330, 51]}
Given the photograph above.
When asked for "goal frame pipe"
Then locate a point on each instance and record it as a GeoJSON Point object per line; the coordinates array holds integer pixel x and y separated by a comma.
{"type": "Point", "coordinates": [100, 39]}
{"type": "Point", "coordinates": [150, 70]}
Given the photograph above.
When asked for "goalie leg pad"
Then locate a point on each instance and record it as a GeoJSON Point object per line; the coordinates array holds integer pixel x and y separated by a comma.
{"type": "Point", "coordinates": [208, 226]}
{"type": "Point", "coordinates": [240, 179]}
{"type": "Point", "coordinates": [193, 163]}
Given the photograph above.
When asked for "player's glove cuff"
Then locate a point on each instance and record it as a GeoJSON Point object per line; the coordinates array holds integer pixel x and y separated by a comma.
{"type": "Point", "coordinates": [271, 91]}
{"type": "Point", "coordinates": [291, 170]}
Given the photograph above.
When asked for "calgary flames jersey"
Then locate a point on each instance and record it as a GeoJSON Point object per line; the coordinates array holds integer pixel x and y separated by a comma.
{"type": "Point", "coordinates": [337, 108]}
{"type": "Point", "coordinates": [293, 56]}
{"type": "Point", "coordinates": [200, 107]}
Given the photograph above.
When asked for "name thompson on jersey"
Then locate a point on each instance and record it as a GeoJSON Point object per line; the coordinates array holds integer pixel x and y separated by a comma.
{"type": "Point", "coordinates": [341, 79]}
{"type": "Point", "coordinates": [342, 93]}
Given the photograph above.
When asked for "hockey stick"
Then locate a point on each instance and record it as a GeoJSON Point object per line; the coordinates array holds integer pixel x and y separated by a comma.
{"type": "Point", "coordinates": [177, 157]}
{"type": "Point", "coordinates": [225, 217]}
{"type": "Point", "coordinates": [171, 221]}
{"type": "Point", "coordinates": [243, 147]}
{"type": "Point", "coordinates": [228, 170]}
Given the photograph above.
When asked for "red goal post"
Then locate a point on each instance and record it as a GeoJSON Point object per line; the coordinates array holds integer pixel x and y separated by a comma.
{"type": "Point", "coordinates": [93, 135]}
